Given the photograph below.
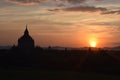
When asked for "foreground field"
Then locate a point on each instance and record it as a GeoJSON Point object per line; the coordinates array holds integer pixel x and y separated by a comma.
{"type": "Point", "coordinates": [53, 75]}
{"type": "Point", "coordinates": [60, 65]}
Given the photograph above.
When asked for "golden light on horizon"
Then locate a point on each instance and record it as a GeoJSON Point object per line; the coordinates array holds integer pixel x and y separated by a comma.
{"type": "Point", "coordinates": [93, 42]}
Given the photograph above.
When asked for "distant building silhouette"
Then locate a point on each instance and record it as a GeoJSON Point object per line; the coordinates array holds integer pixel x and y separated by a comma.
{"type": "Point", "coordinates": [26, 41]}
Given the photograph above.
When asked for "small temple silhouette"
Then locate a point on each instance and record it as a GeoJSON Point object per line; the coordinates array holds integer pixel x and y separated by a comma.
{"type": "Point", "coordinates": [26, 41]}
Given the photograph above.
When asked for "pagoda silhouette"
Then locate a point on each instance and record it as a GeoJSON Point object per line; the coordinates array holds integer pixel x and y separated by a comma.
{"type": "Point", "coordinates": [26, 42]}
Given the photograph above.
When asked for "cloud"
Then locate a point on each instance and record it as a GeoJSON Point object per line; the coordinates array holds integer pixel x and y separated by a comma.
{"type": "Point", "coordinates": [112, 12]}
{"type": "Point", "coordinates": [58, 2]}
{"type": "Point", "coordinates": [85, 9]}
{"type": "Point", "coordinates": [74, 1]}
{"type": "Point", "coordinates": [26, 2]}
{"type": "Point", "coordinates": [32, 2]}
{"type": "Point", "coordinates": [81, 9]}
{"type": "Point", "coordinates": [107, 23]}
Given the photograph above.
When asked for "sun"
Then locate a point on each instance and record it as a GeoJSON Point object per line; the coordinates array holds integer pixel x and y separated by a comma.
{"type": "Point", "coordinates": [93, 43]}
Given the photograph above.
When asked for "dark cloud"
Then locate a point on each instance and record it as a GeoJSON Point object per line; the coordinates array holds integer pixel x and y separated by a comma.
{"type": "Point", "coordinates": [85, 9]}
{"type": "Point", "coordinates": [82, 9]}
{"type": "Point", "coordinates": [32, 2]}
{"type": "Point", "coordinates": [77, 1]}
{"type": "Point", "coordinates": [112, 12]}
{"type": "Point", "coordinates": [74, 1]}
{"type": "Point", "coordinates": [26, 2]}
{"type": "Point", "coordinates": [102, 10]}
{"type": "Point", "coordinates": [54, 10]}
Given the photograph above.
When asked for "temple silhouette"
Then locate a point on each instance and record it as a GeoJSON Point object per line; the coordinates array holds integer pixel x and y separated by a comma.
{"type": "Point", "coordinates": [26, 41]}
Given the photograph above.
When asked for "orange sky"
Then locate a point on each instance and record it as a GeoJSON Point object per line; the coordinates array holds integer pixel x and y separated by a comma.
{"type": "Point", "coordinates": [62, 22]}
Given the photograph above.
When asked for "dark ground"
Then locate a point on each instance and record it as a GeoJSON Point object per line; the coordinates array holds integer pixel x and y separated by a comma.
{"type": "Point", "coordinates": [53, 75]}
{"type": "Point", "coordinates": [59, 65]}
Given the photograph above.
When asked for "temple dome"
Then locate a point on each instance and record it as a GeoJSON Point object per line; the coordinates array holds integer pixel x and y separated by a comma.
{"type": "Point", "coordinates": [26, 41]}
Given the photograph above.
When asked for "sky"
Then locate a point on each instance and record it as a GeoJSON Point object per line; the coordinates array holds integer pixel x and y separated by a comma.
{"type": "Point", "coordinates": [67, 23]}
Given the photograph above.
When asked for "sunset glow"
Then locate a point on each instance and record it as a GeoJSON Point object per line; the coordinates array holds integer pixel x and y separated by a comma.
{"type": "Point", "coordinates": [61, 22]}
{"type": "Point", "coordinates": [93, 44]}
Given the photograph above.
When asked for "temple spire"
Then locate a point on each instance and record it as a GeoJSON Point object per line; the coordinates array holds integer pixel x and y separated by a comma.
{"type": "Point", "coordinates": [26, 31]}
